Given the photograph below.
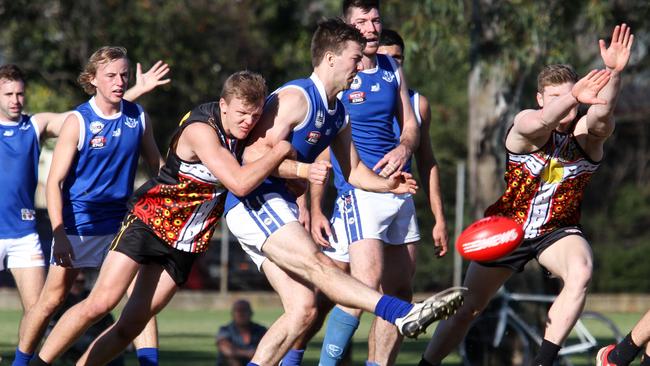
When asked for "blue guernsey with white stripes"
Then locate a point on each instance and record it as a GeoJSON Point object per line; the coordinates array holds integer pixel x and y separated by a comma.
{"type": "Point", "coordinates": [414, 97]}
{"type": "Point", "coordinates": [309, 138]}
{"type": "Point", "coordinates": [371, 103]}
{"type": "Point", "coordinates": [19, 148]}
{"type": "Point", "coordinates": [101, 177]}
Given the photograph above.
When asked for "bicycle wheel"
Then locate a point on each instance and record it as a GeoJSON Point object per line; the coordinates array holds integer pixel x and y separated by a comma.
{"type": "Point", "coordinates": [602, 332]}
{"type": "Point", "coordinates": [477, 348]}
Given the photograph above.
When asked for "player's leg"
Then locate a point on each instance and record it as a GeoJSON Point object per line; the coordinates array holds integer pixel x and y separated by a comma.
{"type": "Point", "coordinates": [384, 340]}
{"type": "Point", "coordinates": [153, 290]}
{"type": "Point", "coordinates": [299, 303]}
{"type": "Point", "coordinates": [627, 349]}
{"type": "Point", "coordinates": [56, 287]}
{"type": "Point", "coordinates": [29, 282]}
{"type": "Point", "coordinates": [146, 343]}
{"type": "Point", "coordinates": [482, 283]}
{"type": "Point", "coordinates": [116, 274]}
{"type": "Point", "coordinates": [570, 259]}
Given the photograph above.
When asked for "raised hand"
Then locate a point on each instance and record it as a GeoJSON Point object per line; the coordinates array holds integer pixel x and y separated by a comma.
{"type": "Point", "coordinates": [617, 54]}
{"type": "Point", "coordinates": [148, 81]}
{"type": "Point", "coordinates": [586, 89]}
{"type": "Point", "coordinates": [402, 182]}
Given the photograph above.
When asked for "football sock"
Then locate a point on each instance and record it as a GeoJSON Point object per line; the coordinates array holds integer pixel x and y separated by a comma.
{"type": "Point", "coordinates": [340, 328]}
{"type": "Point", "coordinates": [390, 308]}
{"type": "Point", "coordinates": [369, 363]}
{"type": "Point", "coordinates": [21, 358]}
{"type": "Point", "coordinates": [547, 354]}
{"type": "Point", "coordinates": [147, 356]}
{"type": "Point", "coordinates": [624, 352]}
{"type": "Point", "coordinates": [424, 362]}
{"type": "Point", "coordinates": [293, 357]}
{"type": "Point", "coordinates": [252, 364]}
{"type": "Point", "coordinates": [36, 361]}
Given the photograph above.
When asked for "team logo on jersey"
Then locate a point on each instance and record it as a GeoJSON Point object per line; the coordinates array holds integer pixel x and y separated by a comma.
{"type": "Point", "coordinates": [96, 127]}
{"type": "Point", "coordinates": [388, 76]}
{"type": "Point", "coordinates": [98, 142]}
{"type": "Point", "coordinates": [320, 119]}
{"type": "Point", "coordinates": [131, 122]}
{"type": "Point", "coordinates": [328, 132]}
{"type": "Point", "coordinates": [8, 133]}
{"type": "Point", "coordinates": [25, 127]}
{"type": "Point", "coordinates": [356, 83]}
{"type": "Point", "coordinates": [375, 88]}
{"type": "Point", "coordinates": [357, 97]}
{"type": "Point", "coordinates": [313, 137]}
{"type": "Point", "coordinates": [117, 132]}
{"type": "Point", "coordinates": [27, 214]}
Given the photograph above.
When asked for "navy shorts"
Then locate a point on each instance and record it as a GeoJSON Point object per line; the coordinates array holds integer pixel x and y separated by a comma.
{"type": "Point", "coordinates": [532, 248]}
{"type": "Point", "coordinates": [138, 242]}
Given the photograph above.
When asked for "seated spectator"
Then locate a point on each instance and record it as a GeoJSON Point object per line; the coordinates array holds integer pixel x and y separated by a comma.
{"type": "Point", "coordinates": [238, 340]}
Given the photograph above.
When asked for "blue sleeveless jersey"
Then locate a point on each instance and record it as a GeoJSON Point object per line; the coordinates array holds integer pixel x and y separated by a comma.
{"type": "Point", "coordinates": [371, 103]}
{"type": "Point", "coordinates": [414, 97]}
{"type": "Point", "coordinates": [101, 177]}
{"type": "Point", "coordinates": [20, 149]}
{"type": "Point", "coordinates": [309, 138]}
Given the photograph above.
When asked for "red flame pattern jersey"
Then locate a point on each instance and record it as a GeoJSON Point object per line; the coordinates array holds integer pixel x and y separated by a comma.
{"type": "Point", "coordinates": [183, 204]}
{"type": "Point", "coordinates": [545, 188]}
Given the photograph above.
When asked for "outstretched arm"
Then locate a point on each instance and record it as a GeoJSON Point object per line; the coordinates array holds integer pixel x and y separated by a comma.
{"type": "Point", "coordinates": [429, 174]}
{"type": "Point", "coordinates": [359, 175]}
{"type": "Point", "coordinates": [600, 121]}
{"type": "Point", "coordinates": [144, 83]}
{"type": "Point", "coordinates": [202, 141]}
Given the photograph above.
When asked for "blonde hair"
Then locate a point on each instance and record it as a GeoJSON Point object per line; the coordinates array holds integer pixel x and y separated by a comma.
{"type": "Point", "coordinates": [101, 56]}
{"type": "Point", "coordinates": [246, 85]}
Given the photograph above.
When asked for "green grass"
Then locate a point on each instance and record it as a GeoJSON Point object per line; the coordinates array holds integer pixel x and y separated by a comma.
{"type": "Point", "coordinates": [187, 338]}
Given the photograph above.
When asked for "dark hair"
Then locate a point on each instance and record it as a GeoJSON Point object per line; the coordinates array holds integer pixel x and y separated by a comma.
{"type": "Point", "coordinates": [390, 37]}
{"type": "Point", "coordinates": [555, 75]}
{"type": "Point", "coordinates": [101, 56]}
{"type": "Point", "coordinates": [365, 5]}
{"type": "Point", "coordinates": [246, 85]}
{"type": "Point", "coordinates": [12, 72]}
{"type": "Point", "coordinates": [331, 36]}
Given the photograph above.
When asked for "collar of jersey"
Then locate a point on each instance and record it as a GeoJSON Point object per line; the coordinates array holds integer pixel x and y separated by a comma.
{"type": "Point", "coordinates": [98, 112]}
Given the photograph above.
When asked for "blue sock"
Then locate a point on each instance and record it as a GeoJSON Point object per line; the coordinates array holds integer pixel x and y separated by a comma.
{"type": "Point", "coordinates": [340, 328]}
{"type": "Point", "coordinates": [252, 364]}
{"type": "Point", "coordinates": [368, 363]}
{"type": "Point", "coordinates": [147, 356]}
{"type": "Point", "coordinates": [390, 308]}
{"type": "Point", "coordinates": [21, 359]}
{"type": "Point", "coordinates": [293, 357]}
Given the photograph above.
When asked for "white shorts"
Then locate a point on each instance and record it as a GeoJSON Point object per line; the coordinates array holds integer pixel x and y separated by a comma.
{"type": "Point", "coordinates": [89, 251]}
{"type": "Point", "coordinates": [360, 215]}
{"type": "Point", "coordinates": [255, 219]}
{"type": "Point", "coordinates": [23, 252]}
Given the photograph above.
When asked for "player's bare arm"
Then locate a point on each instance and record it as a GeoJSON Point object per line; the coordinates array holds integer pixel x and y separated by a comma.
{"type": "Point", "coordinates": [149, 149]}
{"type": "Point", "coordinates": [395, 159]}
{"type": "Point", "coordinates": [532, 127]}
{"type": "Point", "coordinates": [599, 122]}
{"type": "Point", "coordinates": [281, 115]}
{"type": "Point", "coordinates": [360, 176]}
{"type": "Point", "coordinates": [320, 224]}
{"type": "Point", "coordinates": [146, 82]}
{"type": "Point", "coordinates": [430, 177]}
{"type": "Point", "coordinates": [64, 155]}
{"type": "Point", "coordinates": [199, 141]}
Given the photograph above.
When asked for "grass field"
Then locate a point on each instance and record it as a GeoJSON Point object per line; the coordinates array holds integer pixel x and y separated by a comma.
{"type": "Point", "coordinates": [187, 338]}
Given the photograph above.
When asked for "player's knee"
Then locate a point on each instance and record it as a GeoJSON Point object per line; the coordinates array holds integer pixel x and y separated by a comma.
{"type": "Point", "coordinates": [128, 330]}
{"type": "Point", "coordinates": [50, 304]}
{"type": "Point", "coordinates": [579, 277]}
{"type": "Point", "coordinates": [94, 309]}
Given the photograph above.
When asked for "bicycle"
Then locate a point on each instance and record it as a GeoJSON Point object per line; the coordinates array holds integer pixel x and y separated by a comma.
{"type": "Point", "coordinates": [503, 337]}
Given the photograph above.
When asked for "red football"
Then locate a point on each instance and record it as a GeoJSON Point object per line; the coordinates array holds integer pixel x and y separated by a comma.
{"type": "Point", "coordinates": [489, 238]}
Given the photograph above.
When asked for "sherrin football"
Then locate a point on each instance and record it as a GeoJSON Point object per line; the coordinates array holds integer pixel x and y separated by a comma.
{"type": "Point", "coordinates": [489, 238]}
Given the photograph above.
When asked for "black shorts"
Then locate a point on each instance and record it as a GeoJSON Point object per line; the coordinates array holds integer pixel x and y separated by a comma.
{"type": "Point", "coordinates": [138, 242]}
{"type": "Point", "coordinates": [532, 248]}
